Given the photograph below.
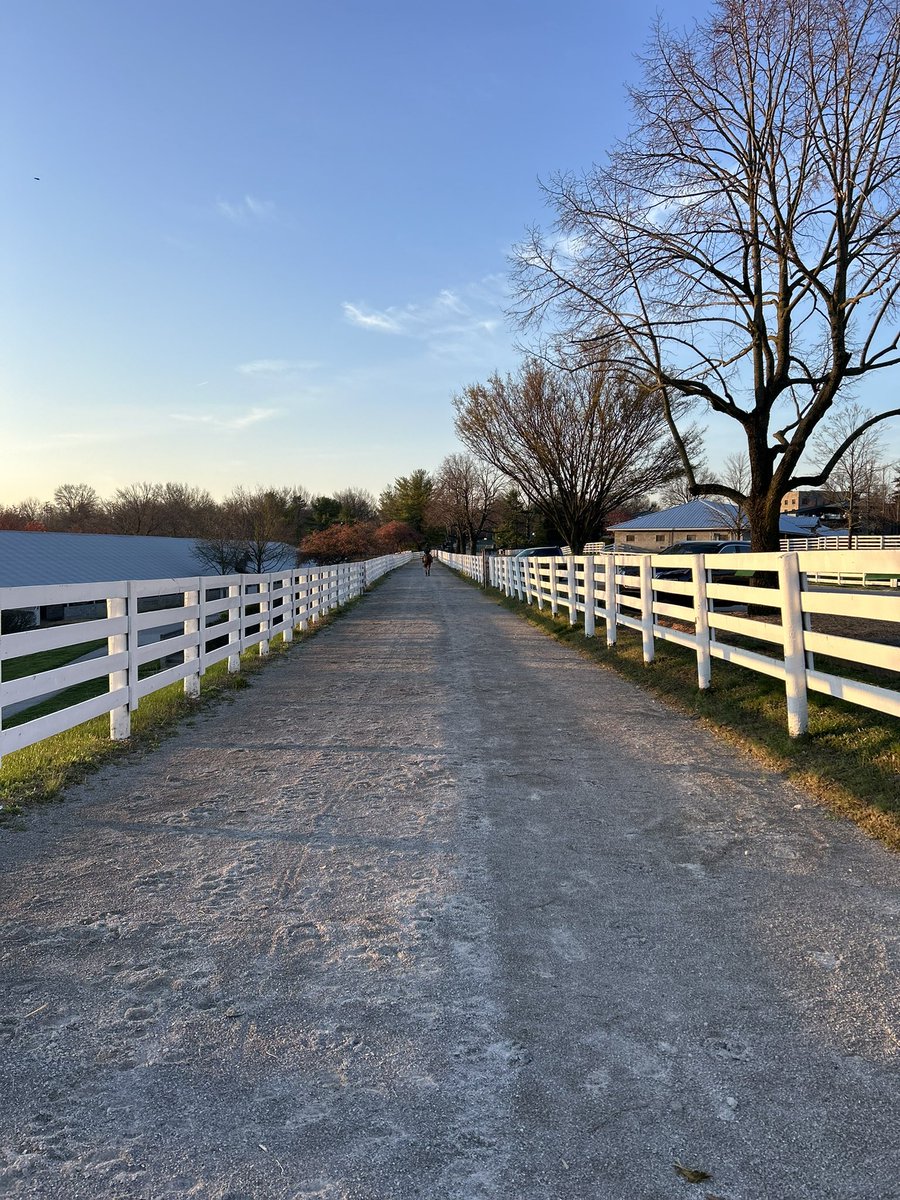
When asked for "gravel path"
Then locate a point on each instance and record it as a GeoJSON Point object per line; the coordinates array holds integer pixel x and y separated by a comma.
{"type": "Point", "coordinates": [438, 909]}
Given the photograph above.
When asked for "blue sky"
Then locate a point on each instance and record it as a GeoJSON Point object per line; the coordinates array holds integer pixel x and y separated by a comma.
{"type": "Point", "coordinates": [269, 239]}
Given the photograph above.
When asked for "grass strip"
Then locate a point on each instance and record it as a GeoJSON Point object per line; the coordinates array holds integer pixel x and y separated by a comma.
{"type": "Point", "coordinates": [849, 761]}
{"type": "Point", "coordinates": [40, 773]}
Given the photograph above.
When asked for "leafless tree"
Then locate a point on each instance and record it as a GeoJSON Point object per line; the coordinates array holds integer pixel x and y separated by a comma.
{"type": "Point", "coordinates": [355, 504]}
{"type": "Point", "coordinates": [185, 511]}
{"type": "Point", "coordinates": [855, 477]}
{"type": "Point", "coordinates": [220, 553]}
{"type": "Point", "coordinates": [464, 499]}
{"type": "Point", "coordinates": [744, 240]}
{"type": "Point", "coordinates": [76, 507]}
{"type": "Point", "coordinates": [679, 490]}
{"type": "Point", "coordinates": [135, 509]}
{"type": "Point", "coordinates": [261, 519]}
{"type": "Point", "coordinates": [577, 443]}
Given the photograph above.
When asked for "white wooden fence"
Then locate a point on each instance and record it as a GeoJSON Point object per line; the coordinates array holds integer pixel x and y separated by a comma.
{"type": "Point", "coordinates": [843, 541]}
{"type": "Point", "coordinates": [214, 617]}
{"type": "Point", "coordinates": [711, 600]}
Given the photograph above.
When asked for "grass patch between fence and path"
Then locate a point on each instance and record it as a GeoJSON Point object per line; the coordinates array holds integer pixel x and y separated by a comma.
{"type": "Point", "coordinates": [849, 761]}
{"type": "Point", "coordinates": [40, 772]}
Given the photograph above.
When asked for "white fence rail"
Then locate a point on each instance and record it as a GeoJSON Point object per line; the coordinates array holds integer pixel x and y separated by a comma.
{"type": "Point", "coordinates": [843, 541]}
{"type": "Point", "coordinates": [710, 597]}
{"type": "Point", "coordinates": [181, 626]}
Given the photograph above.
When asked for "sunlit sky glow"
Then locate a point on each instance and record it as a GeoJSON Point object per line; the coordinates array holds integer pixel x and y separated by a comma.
{"type": "Point", "coordinates": [269, 241]}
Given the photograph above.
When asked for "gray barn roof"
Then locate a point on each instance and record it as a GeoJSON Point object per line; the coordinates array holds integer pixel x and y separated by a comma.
{"type": "Point", "coordinates": [712, 514]}
{"type": "Point", "coordinates": [696, 514]}
{"type": "Point", "coordinates": [48, 558]}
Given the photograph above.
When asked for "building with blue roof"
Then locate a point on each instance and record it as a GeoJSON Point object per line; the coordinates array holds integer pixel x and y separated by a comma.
{"type": "Point", "coordinates": [699, 521]}
{"type": "Point", "coordinates": [28, 559]}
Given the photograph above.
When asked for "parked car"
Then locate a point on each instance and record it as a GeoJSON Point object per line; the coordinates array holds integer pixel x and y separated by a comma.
{"type": "Point", "coordinates": [538, 552]}
{"type": "Point", "coordinates": [736, 547]}
{"type": "Point", "coordinates": [714, 576]}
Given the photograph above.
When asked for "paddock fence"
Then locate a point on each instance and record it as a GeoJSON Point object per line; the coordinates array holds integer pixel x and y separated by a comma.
{"type": "Point", "coordinates": [756, 611]}
{"type": "Point", "coordinates": [142, 635]}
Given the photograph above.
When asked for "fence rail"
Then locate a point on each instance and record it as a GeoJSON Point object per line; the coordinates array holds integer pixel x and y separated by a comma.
{"type": "Point", "coordinates": [844, 541]}
{"type": "Point", "coordinates": [711, 598]}
{"type": "Point", "coordinates": [154, 632]}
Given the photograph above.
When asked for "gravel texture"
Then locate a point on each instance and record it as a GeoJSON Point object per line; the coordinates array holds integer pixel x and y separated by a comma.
{"type": "Point", "coordinates": [439, 909]}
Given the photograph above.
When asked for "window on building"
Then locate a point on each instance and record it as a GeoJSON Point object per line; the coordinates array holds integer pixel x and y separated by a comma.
{"type": "Point", "coordinates": [660, 537]}
{"type": "Point", "coordinates": [629, 537]}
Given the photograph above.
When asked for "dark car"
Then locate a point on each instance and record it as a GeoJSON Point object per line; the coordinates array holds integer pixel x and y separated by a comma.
{"type": "Point", "coordinates": [538, 552]}
{"type": "Point", "coordinates": [698, 548]}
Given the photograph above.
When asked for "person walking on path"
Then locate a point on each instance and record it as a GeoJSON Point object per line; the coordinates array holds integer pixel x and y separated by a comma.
{"type": "Point", "coordinates": [427, 560]}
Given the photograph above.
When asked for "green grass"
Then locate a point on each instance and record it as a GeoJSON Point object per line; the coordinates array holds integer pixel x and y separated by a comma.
{"type": "Point", "coordinates": [47, 660]}
{"type": "Point", "coordinates": [40, 773]}
{"type": "Point", "coordinates": [849, 760]}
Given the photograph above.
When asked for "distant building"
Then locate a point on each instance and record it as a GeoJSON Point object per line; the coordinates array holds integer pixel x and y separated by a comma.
{"type": "Point", "coordinates": [696, 521]}
{"type": "Point", "coordinates": [700, 521]}
{"type": "Point", "coordinates": [830, 510]}
{"type": "Point", "coordinates": [803, 502]}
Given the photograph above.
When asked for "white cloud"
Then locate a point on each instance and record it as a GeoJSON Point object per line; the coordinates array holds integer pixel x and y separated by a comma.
{"type": "Point", "coordinates": [453, 323]}
{"type": "Point", "coordinates": [248, 208]}
{"type": "Point", "coordinates": [276, 366]}
{"type": "Point", "coordinates": [384, 321]}
{"type": "Point", "coordinates": [232, 424]}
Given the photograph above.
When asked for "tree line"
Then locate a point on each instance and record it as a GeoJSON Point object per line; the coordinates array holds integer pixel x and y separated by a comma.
{"type": "Point", "coordinates": [263, 528]}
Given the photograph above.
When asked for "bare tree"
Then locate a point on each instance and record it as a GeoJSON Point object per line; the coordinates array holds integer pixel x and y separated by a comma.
{"type": "Point", "coordinates": [185, 511]}
{"type": "Point", "coordinates": [735, 476]}
{"type": "Point", "coordinates": [76, 507]}
{"type": "Point", "coordinates": [854, 477]}
{"type": "Point", "coordinates": [262, 520]}
{"type": "Point", "coordinates": [136, 509]}
{"type": "Point", "coordinates": [355, 504]}
{"type": "Point", "coordinates": [223, 554]}
{"type": "Point", "coordinates": [744, 240]}
{"type": "Point", "coordinates": [678, 491]}
{"type": "Point", "coordinates": [577, 443]}
{"type": "Point", "coordinates": [465, 497]}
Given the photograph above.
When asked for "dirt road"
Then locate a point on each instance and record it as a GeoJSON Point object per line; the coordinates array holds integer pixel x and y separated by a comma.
{"type": "Point", "coordinates": [440, 910]}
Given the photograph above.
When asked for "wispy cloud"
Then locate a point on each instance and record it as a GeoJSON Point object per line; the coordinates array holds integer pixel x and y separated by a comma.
{"type": "Point", "coordinates": [232, 424]}
{"type": "Point", "coordinates": [451, 323]}
{"type": "Point", "coordinates": [386, 321]}
{"type": "Point", "coordinates": [248, 209]}
{"type": "Point", "coordinates": [268, 367]}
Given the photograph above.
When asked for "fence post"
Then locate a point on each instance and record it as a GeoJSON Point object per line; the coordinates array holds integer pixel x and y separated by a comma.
{"type": "Point", "coordinates": [265, 614]}
{"type": "Point", "coordinates": [646, 573]}
{"type": "Point", "coordinates": [701, 623]}
{"type": "Point", "coordinates": [287, 610]}
{"type": "Point", "coordinates": [119, 718]}
{"type": "Point", "coordinates": [573, 590]}
{"type": "Point", "coordinates": [234, 637]}
{"type": "Point", "coordinates": [589, 598]}
{"type": "Point", "coordinates": [609, 612]}
{"type": "Point", "coordinates": [794, 658]}
{"type": "Point", "coordinates": [192, 653]}
{"type": "Point", "coordinates": [554, 585]}
{"type": "Point", "coordinates": [304, 591]}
